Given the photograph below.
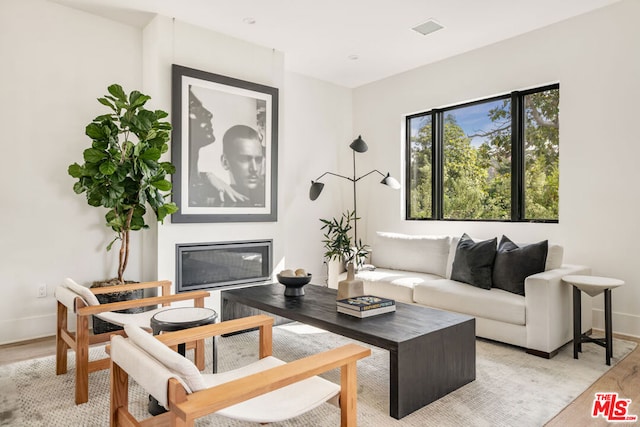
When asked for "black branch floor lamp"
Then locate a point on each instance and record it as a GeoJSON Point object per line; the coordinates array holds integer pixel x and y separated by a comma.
{"type": "Point", "coordinates": [358, 145]}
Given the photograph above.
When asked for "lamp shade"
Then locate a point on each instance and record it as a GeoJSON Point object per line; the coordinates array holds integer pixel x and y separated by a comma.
{"type": "Point", "coordinates": [359, 145]}
{"type": "Point", "coordinates": [315, 190]}
{"type": "Point", "coordinates": [390, 181]}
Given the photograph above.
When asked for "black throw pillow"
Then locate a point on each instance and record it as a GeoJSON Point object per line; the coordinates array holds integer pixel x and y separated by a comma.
{"type": "Point", "coordinates": [474, 261]}
{"type": "Point", "coordinates": [513, 264]}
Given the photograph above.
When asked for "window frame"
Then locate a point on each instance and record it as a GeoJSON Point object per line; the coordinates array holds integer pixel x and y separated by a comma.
{"type": "Point", "coordinates": [437, 156]}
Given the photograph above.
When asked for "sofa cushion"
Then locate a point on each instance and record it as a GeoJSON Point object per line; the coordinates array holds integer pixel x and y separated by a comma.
{"type": "Point", "coordinates": [473, 262]}
{"type": "Point", "coordinates": [395, 284]}
{"type": "Point", "coordinates": [494, 304]}
{"type": "Point", "coordinates": [422, 254]}
{"type": "Point", "coordinates": [515, 263]}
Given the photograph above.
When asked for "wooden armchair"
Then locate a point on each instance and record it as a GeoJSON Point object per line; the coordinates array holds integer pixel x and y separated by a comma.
{"type": "Point", "coordinates": [83, 304]}
{"type": "Point", "coordinates": [268, 390]}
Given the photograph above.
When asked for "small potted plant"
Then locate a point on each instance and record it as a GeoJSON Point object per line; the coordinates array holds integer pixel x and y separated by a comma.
{"type": "Point", "coordinates": [337, 240]}
{"type": "Point", "coordinates": [122, 171]}
{"type": "Point", "coordinates": [338, 243]}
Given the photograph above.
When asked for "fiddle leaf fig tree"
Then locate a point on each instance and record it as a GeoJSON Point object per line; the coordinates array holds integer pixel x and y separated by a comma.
{"type": "Point", "coordinates": [122, 170]}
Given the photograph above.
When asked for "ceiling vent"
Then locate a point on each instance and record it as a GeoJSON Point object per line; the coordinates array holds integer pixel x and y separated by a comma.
{"type": "Point", "coordinates": [428, 27]}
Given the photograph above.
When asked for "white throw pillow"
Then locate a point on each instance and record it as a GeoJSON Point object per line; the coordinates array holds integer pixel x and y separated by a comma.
{"type": "Point", "coordinates": [422, 254]}
{"type": "Point", "coordinates": [554, 257]}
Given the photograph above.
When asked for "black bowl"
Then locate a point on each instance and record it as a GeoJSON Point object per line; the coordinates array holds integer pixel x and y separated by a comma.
{"type": "Point", "coordinates": [294, 284]}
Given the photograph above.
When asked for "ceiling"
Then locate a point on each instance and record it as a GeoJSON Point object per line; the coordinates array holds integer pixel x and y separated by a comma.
{"type": "Point", "coordinates": [353, 42]}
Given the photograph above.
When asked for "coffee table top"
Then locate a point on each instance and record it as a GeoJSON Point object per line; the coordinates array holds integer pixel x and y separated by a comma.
{"type": "Point", "coordinates": [318, 308]}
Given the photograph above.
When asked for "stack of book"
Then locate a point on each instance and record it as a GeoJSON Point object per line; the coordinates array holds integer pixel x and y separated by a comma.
{"type": "Point", "coordinates": [365, 306]}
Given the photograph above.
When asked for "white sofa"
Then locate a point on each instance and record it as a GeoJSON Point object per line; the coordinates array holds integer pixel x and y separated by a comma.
{"type": "Point", "coordinates": [417, 270]}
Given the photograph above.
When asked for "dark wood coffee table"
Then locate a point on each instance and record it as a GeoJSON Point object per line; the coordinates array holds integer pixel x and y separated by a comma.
{"type": "Point", "coordinates": [432, 352]}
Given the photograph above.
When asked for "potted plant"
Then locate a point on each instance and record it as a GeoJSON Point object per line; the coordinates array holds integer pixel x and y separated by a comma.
{"type": "Point", "coordinates": [122, 171]}
{"type": "Point", "coordinates": [337, 241]}
{"type": "Point", "coordinates": [339, 246]}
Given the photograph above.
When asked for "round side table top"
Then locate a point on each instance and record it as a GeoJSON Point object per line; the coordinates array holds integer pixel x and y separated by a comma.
{"type": "Point", "coordinates": [184, 316]}
{"type": "Point", "coordinates": [592, 285]}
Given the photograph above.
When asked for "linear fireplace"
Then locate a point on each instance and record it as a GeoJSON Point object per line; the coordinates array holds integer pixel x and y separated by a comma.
{"type": "Point", "coordinates": [222, 264]}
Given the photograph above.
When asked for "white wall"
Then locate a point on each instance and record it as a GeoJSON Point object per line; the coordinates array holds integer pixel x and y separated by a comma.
{"type": "Point", "coordinates": [50, 79]}
{"type": "Point", "coordinates": [313, 115]}
{"type": "Point", "coordinates": [594, 57]}
{"type": "Point", "coordinates": [55, 63]}
{"type": "Point", "coordinates": [317, 133]}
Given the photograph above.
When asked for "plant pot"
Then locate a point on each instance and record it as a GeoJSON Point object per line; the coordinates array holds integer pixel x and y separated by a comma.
{"type": "Point", "coordinates": [101, 326]}
{"type": "Point", "coordinates": [350, 287]}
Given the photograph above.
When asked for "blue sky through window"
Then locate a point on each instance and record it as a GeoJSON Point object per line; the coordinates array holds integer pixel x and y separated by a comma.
{"type": "Point", "coordinates": [473, 119]}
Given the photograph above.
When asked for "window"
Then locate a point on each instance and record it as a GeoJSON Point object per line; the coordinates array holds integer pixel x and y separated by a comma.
{"type": "Point", "coordinates": [494, 159]}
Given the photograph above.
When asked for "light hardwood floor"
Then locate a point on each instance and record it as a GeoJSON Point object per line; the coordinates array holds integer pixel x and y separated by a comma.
{"type": "Point", "coordinates": [624, 378]}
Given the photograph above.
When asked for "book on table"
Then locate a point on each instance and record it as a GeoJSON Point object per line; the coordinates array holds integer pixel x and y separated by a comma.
{"type": "Point", "coordinates": [365, 303]}
{"type": "Point", "coordinates": [367, 313]}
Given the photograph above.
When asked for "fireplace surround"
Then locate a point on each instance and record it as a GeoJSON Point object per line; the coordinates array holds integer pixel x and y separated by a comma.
{"type": "Point", "coordinates": [219, 265]}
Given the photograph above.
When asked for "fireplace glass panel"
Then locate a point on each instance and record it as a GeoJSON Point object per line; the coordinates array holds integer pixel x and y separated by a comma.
{"type": "Point", "coordinates": [218, 265]}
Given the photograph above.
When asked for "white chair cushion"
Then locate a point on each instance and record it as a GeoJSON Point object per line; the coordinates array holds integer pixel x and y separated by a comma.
{"type": "Point", "coordinates": [173, 361]}
{"type": "Point", "coordinates": [144, 369]}
{"type": "Point", "coordinates": [83, 292]}
{"type": "Point", "coordinates": [278, 405]}
{"type": "Point", "coordinates": [423, 254]}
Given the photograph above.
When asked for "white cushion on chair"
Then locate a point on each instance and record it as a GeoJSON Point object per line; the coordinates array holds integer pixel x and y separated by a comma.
{"type": "Point", "coordinates": [172, 360]}
{"type": "Point", "coordinates": [83, 292]}
{"type": "Point", "coordinates": [143, 368]}
{"type": "Point", "coordinates": [278, 405]}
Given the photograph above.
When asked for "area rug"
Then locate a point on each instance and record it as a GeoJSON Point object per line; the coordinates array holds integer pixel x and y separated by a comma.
{"type": "Point", "coordinates": [511, 387]}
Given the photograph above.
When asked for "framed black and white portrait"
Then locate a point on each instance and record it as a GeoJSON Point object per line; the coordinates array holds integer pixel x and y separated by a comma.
{"type": "Point", "coordinates": [225, 148]}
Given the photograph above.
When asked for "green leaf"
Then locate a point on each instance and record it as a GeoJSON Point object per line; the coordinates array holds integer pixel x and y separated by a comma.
{"type": "Point", "coordinates": [105, 101]}
{"type": "Point", "coordinates": [117, 91]}
{"type": "Point", "coordinates": [94, 131]}
{"type": "Point", "coordinates": [108, 168]}
{"type": "Point", "coordinates": [92, 155]}
{"type": "Point", "coordinates": [168, 167]}
{"type": "Point", "coordinates": [162, 185]}
{"type": "Point", "coordinates": [78, 188]}
{"type": "Point", "coordinates": [151, 154]}
{"type": "Point", "coordinates": [112, 242]}
{"type": "Point", "coordinates": [166, 209]}
{"type": "Point", "coordinates": [75, 170]}
{"type": "Point", "coordinates": [100, 144]}
{"type": "Point", "coordinates": [160, 114]}
{"type": "Point", "coordinates": [139, 100]}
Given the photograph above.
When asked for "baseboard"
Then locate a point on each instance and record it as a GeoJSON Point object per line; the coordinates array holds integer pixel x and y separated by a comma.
{"type": "Point", "coordinates": [623, 323]}
{"type": "Point", "coordinates": [27, 328]}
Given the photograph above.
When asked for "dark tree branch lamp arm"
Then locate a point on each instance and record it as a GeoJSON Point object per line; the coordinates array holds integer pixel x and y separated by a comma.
{"type": "Point", "coordinates": [358, 145]}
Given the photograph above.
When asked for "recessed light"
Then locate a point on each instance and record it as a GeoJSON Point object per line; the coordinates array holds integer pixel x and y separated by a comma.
{"type": "Point", "coordinates": [428, 27]}
{"type": "Point", "coordinates": [353, 57]}
{"type": "Point", "coordinates": [249, 20]}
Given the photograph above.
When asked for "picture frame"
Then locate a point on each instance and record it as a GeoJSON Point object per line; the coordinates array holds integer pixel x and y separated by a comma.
{"type": "Point", "coordinates": [224, 147]}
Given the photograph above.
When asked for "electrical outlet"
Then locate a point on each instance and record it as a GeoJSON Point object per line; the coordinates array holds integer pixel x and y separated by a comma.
{"type": "Point", "coordinates": [42, 290]}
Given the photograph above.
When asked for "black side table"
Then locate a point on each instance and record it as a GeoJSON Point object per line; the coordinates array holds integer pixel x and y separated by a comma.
{"type": "Point", "coordinates": [592, 285]}
{"type": "Point", "coordinates": [177, 319]}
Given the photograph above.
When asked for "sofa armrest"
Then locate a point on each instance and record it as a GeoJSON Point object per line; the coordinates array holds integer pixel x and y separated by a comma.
{"type": "Point", "coordinates": [549, 309]}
